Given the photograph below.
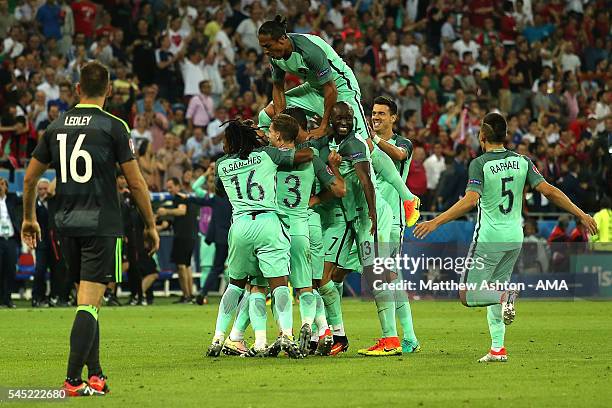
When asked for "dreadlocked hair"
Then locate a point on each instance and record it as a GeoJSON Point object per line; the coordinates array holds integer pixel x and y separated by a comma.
{"type": "Point", "coordinates": [241, 139]}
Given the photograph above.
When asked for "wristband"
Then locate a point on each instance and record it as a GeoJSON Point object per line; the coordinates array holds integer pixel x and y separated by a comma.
{"type": "Point", "coordinates": [376, 139]}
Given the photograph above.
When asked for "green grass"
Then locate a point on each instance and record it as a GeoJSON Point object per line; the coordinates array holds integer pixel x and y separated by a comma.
{"type": "Point", "coordinates": [559, 355]}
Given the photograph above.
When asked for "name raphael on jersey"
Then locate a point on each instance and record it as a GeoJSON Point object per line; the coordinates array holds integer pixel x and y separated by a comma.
{"type": "Point", "coordinates": [504, 166]}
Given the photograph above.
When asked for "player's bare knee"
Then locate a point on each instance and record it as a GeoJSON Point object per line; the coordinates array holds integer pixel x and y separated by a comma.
{"type": "Point", "coordinates": [339, 274]}
{"type": "Point", "coordinates": [278, 281]}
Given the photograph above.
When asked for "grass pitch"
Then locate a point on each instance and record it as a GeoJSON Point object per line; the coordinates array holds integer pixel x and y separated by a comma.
{"type": "Point", "coordinates": [559, 355]}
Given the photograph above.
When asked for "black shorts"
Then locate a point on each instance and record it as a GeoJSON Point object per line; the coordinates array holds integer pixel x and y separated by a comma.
{"type": "Point", "coordinates": [182, 249]}
{"type": "Point", "coordinates": [93, 259]}
{"type": "Point", "coordinates": [147, 265]}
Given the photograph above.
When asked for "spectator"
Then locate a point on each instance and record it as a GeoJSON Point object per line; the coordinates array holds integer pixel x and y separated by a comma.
{"type": "Point", "coordinates": [7, 19]}
{"type": "Point", "coordinates": [44, 248]}
{"type": "Point", "coordinates": [184, 226]}
{"type": "Point", "coordinates": [166, 74]}
{"type": "Point", "coordinates": [150, 166]}
{"type": "Point", "coordinates": [49, 17]}
{"type": "Point", "coordinates": [247, 29]}
{"type": "Point", "coordinates": [466, 44]}
{"type": "Point", "coordinates": [557, 240]}
{"type": "Point", "coordinates": [84, 17]}
{"type": "Point", "coordinates": [174, 160]}
{"type": "Point", "coordinates": [215, 132]}
{"type": "Point", "coordinates": [143, 51]}
{"type": "Point", "coordinates": [201, 107]}
{"type": "Point", "coordinates": [53, 113]}
{"type": "Point", "coordinates": [417, 177]}
{"type": "Point", "coordinates": [192, 69]}
{"type": "Point", "coordinates": [535, 255]}
{"type": "Point", "coordinates": [434, 166]}
{"type": "Point", "coordinates": [50, 86]}
{"type": "Point", "coordinates": [9, 242]}
{"type": "Point", "coordinates": [196, 147]}
{"type": "Point", "coordinates": [140, 132]}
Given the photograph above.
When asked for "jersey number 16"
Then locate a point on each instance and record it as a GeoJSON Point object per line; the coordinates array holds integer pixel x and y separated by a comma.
{"type": "Point", "coordinates": [77, 153]}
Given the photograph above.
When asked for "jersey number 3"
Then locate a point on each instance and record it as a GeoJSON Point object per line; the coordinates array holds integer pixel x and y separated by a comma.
{"type": "Point", "coordinates": [507, 192]}
{"type": "Point", "coordinates": [77, 153]}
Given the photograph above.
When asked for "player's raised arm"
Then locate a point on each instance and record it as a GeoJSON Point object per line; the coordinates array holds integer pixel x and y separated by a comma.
{"type": "Point", "coordinates": [558, 197]}
{"type": "Point", "coordinates": [473, 192]}
{"type": "Point", "coordinates": [460, 208]}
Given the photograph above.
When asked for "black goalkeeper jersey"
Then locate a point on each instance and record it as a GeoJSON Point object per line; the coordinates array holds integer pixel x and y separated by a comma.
{"type": "Point", "coordinates": [84, 146]}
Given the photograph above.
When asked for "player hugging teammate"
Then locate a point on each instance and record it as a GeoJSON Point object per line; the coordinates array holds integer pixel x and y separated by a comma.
{"type": "Point", "coordinates": [361, 200]}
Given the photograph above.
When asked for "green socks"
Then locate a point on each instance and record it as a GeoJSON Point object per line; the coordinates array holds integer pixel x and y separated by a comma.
{"type": "Point", "coordinates": [320, 319]}
{"type": "Point", "coordinates": [242, 320]}
{"type": "Point", "coordinates": [385, 306]}
{"type": "Point", "coordinates": [308, 307]}
{"type": "Point", "coordinates": [404, 315]}
{"type": "Point", "coordinates": [497, 328]}
{"type": "Point", "coordinates": [227, 307]}
{"type": "Point", "coordinates": [257, 311]}
{"type": "Point", "coordinates": [483, 297]}
{"type": "Point", "coordinates": [331, 300]}
{"type": "Point", "coordinates": [284, 309]}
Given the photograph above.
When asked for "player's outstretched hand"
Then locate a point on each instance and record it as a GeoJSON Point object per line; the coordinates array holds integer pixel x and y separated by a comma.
{"type": "Point", "coordinates": [151, 239]}
{"type": "Point", "coordinates": [334, 159]}
{"type": "Point", "coordinates": [425, 228]}
{"type": "Point", "coordinates": [589, 223]}
{"type": "Point", "coordinates": [30, 233]}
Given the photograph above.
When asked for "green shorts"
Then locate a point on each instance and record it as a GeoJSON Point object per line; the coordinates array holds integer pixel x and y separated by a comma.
{"type": "Point", "coordinates": [301, 268]}
{"type": "Point", "coordinates": [489, 266]}
{"type": "Point", "coordinates": [258, 246]}
{"type": "Point", "coordinates": [306, 97]}
{"type": "Point", "coordinates": [316, 244]}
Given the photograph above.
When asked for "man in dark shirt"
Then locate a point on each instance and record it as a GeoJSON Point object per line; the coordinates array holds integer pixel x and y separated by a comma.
{"type": "Point", "coordinates": [185, 233]}
{"type": "Point", "coordinates": [84, 146]}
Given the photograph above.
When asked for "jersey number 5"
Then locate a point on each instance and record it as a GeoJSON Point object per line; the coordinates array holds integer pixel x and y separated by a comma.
{"type": "Point", "coordinates": [77, 153]}
{"type": "Point", "coordinates": [509, 193]}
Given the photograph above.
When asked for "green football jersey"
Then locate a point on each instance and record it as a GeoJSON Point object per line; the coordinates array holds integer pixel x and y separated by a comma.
{"type": "Point", "coordinates": [387, 190]}
{"type": "Point", "coordinates": [315, 62]}
{"type": "Point", "coordinates": [250, 184]}
{"type": "Point", "coordinates": [499, 177]}
{"type": "Point", "coordinates": [353, 150]}
{"type": "Point", "coordinates": [293, 187]}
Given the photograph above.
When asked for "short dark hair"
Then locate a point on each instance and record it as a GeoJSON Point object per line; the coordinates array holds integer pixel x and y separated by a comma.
{"type": "Point", "coordinates": [175, 180]}
{"type": "Point", "coordinates": [276, 28]}
{"type": "Point", "coordinates": [299, 115]}
{"type": "Point", "coordinates": [94, 79]}
{"type": "Point", "coordinates": [287, 126]}
{"type": "Point", "coordinates": [385, 100]}
{"type": "Point", "coordinates": [495, 127]}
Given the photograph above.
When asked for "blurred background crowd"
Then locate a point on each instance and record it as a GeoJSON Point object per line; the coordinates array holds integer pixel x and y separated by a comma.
{"type": "Point", "coordinates": [180, 68]}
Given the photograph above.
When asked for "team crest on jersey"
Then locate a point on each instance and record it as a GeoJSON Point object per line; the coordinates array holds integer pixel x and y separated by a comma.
{"type": "Point", "coordinates": [474, 181]}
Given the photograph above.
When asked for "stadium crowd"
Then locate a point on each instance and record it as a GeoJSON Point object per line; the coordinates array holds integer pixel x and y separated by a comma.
{"type": "Point", "coordinates": [182, 68]}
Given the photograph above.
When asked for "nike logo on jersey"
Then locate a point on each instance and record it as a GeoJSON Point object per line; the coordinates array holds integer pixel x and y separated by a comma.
{"type": "Point", "coordinates": [77, 120]}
